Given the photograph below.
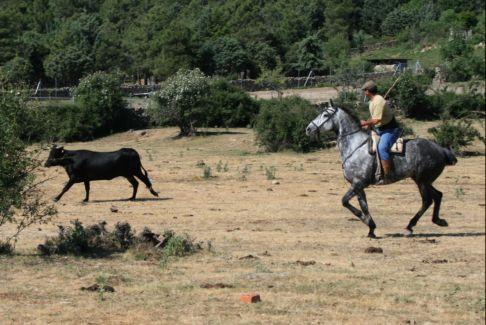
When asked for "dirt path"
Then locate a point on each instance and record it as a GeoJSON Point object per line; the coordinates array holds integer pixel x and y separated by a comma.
{"type": "Point", "coordinates": [436, 277]}
{"type": "Point", "coordinates": [314, 95]}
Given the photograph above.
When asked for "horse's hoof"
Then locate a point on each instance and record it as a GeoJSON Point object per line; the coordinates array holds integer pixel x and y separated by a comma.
{"type": "Point", "coordinates": [131, 199]}
{"type": "Point", "coordinates": [372, 235]}
{"type": "Point", "coordinates": [440, 222]}
{"type": "Point", "coordinates": [408, 233]}
{"type": "Point", "coordinates": [55, 199]}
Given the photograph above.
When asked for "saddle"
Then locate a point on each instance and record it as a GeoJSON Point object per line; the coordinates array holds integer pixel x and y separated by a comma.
{"type": "Point", "coordinates": [396, 148]}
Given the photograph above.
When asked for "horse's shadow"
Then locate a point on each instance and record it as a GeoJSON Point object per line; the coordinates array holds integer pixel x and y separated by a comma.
{"type": "Point", "coordinates": [128, 200]}
{"type": "Point", "coordinates": [428, 235]}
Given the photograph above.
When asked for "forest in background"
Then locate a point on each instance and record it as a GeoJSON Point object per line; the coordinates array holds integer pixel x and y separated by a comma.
{"type": "Point", "coordinates": [67, 40]}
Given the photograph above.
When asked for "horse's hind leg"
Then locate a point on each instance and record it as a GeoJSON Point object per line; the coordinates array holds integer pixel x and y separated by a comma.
{"type": "Point", "coordinates": [362, 216]}
{"type": "Point", "coordinates": [426, 193]}
{"type": "Point", "coordinates": [437, 197]}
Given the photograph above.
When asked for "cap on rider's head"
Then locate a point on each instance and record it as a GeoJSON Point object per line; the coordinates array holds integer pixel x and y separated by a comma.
{"type": "Point", "coordinates": [370, 85]}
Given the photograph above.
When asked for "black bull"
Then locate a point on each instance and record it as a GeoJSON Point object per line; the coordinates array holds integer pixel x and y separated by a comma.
{"type": "Point", "coordinates": [83, 166]}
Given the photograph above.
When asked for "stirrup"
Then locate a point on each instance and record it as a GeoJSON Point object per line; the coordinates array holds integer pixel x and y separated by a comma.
{"type": "Point", "coordinates": [383, 181]}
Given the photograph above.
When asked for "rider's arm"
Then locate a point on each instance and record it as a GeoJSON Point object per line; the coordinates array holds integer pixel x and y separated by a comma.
{"type": "Point", "coordinates": [371, 121]}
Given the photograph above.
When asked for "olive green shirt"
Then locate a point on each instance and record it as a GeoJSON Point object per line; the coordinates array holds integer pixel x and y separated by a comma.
{"type": "Point", "coordinates": [380, 110]}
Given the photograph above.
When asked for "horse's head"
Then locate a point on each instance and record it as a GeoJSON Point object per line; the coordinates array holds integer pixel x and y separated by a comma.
{"type": "Point", "coordinates": [322, 123]}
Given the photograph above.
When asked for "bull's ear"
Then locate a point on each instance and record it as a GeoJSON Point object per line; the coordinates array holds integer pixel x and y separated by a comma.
{"type": "Point", "coordinates": [61, 149]}
{"type": "Point", "coordinates": [54, 145]}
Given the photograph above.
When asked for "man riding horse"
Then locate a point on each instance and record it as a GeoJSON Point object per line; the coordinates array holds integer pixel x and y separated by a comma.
{"type": "Point", "coordinates": [384, 122]}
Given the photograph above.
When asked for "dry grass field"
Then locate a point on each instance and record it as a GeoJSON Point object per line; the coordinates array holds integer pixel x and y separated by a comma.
{"type": "Point", "coordinates": [436, 277]}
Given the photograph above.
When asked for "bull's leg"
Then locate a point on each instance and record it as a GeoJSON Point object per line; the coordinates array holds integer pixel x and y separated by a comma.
{"type": "Point", "coordinates": [134, 183]}
{"type": "Point", "coordinates": [86, 187]}
{"type": "Point", "coordinates": [345, 200]}
{"type": "Point", "coordinates": [437, 197]}
{"type": "Point", "coordinates": [144, 178]}
{"type": "Point", "coordinates": [65, 189]}
{"type": "Point", "coordinates": [426, 194]}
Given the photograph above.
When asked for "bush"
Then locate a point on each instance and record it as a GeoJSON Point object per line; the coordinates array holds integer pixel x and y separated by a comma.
{"type": "Point", "coordinates": [181, 101]}
{"type": "Point", "coordinates": [18, 71]}
{"type": "Point", "coordinates": [452, 105]}
{"type": "Point", "coordinates": [220, 105]}
{"type": "Point", "coordinates": [281, 125]}
{"type": "Point", "coordinates": [102, 109]}
{"type": "Point", "coordinates": [409, 95]}
{"type": "Point", "coordinates": [462, 63]}
{"type": "Point", "coordinates": [455, 134]}
{"type": "Point", "coordinates": [396, 21]}
{"type": "Point", "coordinates": [464, 68]}
{"type": "Point", "coordinates": [95, 241]}
{"type": "Point", "coordinates": [21, 202]}
{"type": "Point", "coordinates": [228, 106]}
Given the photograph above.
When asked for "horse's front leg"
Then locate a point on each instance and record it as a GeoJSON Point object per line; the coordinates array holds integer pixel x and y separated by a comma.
{"type": "Point", "coordinates": [366, 216]}
{"type": "Point", "coordinates": [363, 216]}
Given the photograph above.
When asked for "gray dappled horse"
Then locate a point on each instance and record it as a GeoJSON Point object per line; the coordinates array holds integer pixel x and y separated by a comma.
{"type": "Point", "coordinates": [422, 160]}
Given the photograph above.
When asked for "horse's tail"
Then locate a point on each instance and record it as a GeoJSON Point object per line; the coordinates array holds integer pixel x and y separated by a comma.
{"type": "Point", "coordinates": [449, 156]}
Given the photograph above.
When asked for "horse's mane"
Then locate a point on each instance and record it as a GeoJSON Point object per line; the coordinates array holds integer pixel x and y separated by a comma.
{"type": "Point", "coordinates": [352, 114]}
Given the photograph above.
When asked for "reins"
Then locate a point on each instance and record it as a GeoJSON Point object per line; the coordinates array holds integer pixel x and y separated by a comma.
{"type": "Point", "coordinates": [341, 136]}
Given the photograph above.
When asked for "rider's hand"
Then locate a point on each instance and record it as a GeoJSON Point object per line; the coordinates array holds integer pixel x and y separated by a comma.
{"type": "Point", "coordinates": [364, 123]}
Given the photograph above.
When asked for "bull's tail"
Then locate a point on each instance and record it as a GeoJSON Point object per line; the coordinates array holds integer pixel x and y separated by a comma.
{"type": "Point", "coordinates": [147, 181]}
{"type": "Point", "coordinates": [449, 156]}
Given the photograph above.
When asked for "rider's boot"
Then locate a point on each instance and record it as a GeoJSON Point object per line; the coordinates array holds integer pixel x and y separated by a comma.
{"type": "Point", "coordinates": [387, 166]}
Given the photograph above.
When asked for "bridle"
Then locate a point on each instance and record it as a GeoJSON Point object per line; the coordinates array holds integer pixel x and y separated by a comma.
{"type": "Point", "coordinates": [341, 136]}
{"type": "Point", "coordinates": [318, 127]}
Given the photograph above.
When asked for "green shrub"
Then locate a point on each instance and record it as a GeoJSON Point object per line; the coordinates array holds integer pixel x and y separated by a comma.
{"type": "Point", "coordinates": [281, 125]}
{"type": "Point", "coordinates": [96, 241]}
{"type": "Point", "coordinates": [17, 71]}
{"type": "Point", "coordinates": [455, 134]}
{"type": "Point", "coordinates": [102, 108]}
{"type": "Point", "coordinates": [214, 103]}
{"type": "Point", "coordinates": [178, 245]}
{"type": "Point", "coordinates": [409, 95]}
{"type": "Point", "coordinates": [21, 202]}
{"type": "Point", "coordinates": [464, 68]}
{"type": "Point", "coordinates": [228, 106]}
{"type": "Point", "coordinates": [396, 21]}
{"type": "Point", "coordinates": [98, 110]}
{"type": "Point", "coordinates": [462, 61]}
{"type": "Point", "coordinates": [452, 105]}
{"type": "Point", "coordinates": [181, 101]}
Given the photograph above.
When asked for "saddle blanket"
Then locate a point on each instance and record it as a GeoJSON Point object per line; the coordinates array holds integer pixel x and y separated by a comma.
{"type": "Point", "coordinates": [396, 148]}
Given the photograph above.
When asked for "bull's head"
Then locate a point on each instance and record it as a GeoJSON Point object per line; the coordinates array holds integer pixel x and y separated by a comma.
{"type": "Point", "coordinates": [55, 156]}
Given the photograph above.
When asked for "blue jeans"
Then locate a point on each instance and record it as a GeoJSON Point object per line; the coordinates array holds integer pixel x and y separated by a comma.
{"type": "Point", "coordinates": [387, 139]}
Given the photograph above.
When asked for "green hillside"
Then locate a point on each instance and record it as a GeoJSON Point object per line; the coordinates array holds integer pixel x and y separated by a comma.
{"type": "Point", "coordinates": [62, 41]}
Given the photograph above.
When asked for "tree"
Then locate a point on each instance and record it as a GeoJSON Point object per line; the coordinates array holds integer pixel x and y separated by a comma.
{"type": "Point", "coordinates": [374, 12]}
{"type": "Point", "coordinates": [306, 55]}
{"type": "Point", "coordinates": [230, 56]}
{"type": "Point", "coordinates": [18, 70]}
{"type": "Point", "coordinates": [101, 101]}
{"type": "Point", "coordinates": [72, 51]}
{"type": "Point", "coordinates": [21, 202]}
{"type": "Point", "coordinates": [180, 100]}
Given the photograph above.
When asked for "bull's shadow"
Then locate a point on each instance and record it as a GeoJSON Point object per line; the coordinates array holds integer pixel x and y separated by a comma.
{"type": "Point", "coordinates": [204, 133]}
{"type": "Point", "coordinates": [428, 235]}
{"type": "Point", "coordinates": [148, 199]}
